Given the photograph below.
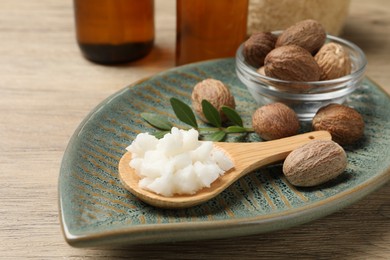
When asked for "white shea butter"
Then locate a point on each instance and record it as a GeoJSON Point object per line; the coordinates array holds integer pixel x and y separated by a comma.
{"type": "Point", "coordinates": [178, 163]}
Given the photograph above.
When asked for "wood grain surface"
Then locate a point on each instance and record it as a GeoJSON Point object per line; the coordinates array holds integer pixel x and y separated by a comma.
{"type": "Point", "coordinates": [47, 88]}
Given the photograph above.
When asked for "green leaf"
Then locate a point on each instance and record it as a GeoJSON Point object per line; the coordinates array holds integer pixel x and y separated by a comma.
{"type": "Point", "coordinates": [211, 113]}
{"type": "Point", "coordinates": [232, 115]}
{"type": "Point", "coordinates": [215, 137]}
{"type": "Point", "coordinates": [157, 121]}
{"type": "Point", "coordinates": [183, 112]}
{"type": "Point", "coordinates": [236, 129]}
{"type": "Point", "coordinates": [160, 134]}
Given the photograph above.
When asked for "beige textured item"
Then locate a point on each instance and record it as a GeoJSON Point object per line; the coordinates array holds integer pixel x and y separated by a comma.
{"type": "Point", "coordinates": [274, 121]}
{"type": "Point", "coordinates": [344, 123]}
{"type": "Point", "coordinates": [308, 34]}
{"type": "Point", "coordinates": [261, 71]}
{"type": "Point", "coordinates": [315, 163]}
{"type": "Point", "coordinates": [291, 63]}
{"type": "Point", "coordinates": [271, 15]}
{"type": "Point", "coordinates": [334, 61]}
{"type": "Point", "coordinates": [213, 91]}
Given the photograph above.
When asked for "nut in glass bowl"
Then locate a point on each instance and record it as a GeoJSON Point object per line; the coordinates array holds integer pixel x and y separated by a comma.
{"type": "Point", "coordinates": [304, 97]}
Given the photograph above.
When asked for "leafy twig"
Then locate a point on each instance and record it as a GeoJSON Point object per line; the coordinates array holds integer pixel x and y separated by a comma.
{"type": "Point", "coordinates": [185, 114]}
{"type": "Point", "coordinates": [211, 113]}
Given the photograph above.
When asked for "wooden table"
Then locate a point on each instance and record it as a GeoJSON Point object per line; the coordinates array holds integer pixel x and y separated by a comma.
{"type": "Point", "coordinates": [47, 88]}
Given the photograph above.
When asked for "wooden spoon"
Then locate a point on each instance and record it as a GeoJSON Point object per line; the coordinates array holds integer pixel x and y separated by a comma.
{"type": "Point", "coordinates": [246, 157]}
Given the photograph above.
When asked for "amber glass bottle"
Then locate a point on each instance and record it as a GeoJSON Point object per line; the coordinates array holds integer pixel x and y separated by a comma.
{"type": "Point", "coordinates": [208, 29]}
{"type": "Point", "coordinates": [114, 31]}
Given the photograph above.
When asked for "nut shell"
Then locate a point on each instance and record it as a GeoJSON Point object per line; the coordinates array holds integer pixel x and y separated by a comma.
{"type": "Point", "coordinates": [308, 34]}
{"type": "Point", "coordinates": [291, 63]}
{"type": "Point", "coordinates": [257, 47]}
{"type": "Point", "coordinates": [315, 163]}
{"type": "Point", "coordinates": [274, 121]}
{"type": "Point", "coordinates": [344, 123]}
{"type": "Point", "coordinates": [213, 91]}
{"type": "Point", "coordinates": [261, 71]}
{"type": "Point", "coordinates": [333, 60]}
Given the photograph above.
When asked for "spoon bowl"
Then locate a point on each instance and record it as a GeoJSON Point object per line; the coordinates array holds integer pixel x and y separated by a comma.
{"type": "Point", "coordinates": [246, 158]}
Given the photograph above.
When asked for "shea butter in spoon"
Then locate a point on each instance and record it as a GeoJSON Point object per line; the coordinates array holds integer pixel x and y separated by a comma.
{"type": "Point", "coordinates": [245, 158]}
{"type": "Point", "coordinates": [178, 163]}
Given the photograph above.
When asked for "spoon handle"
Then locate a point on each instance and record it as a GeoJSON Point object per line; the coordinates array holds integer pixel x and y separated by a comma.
{"type": "Point", "coordinates": [250, 156]}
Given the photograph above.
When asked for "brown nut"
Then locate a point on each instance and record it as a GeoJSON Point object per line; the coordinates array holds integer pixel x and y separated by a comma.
{"type": "Point", "coordinates": [315, 163]}
{"type": "Point", "coordinates": [344, 123]}
{"type": "Point", "coordinates": [291, 63]}
{"type": "Point", "coordinates": [333, 60]}
{"type": "Point", "coordinates": [257, 47]}
{"type": "Point", "coordinates": [308, 34]}
{"type": "Point", "coordinates": [274, 121]}
{"type": "Point", "coordinates": [213, 91]}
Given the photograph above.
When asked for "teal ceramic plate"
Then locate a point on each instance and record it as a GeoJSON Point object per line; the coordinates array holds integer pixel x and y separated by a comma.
{"type": "Point", "coordinates": [95, 209]}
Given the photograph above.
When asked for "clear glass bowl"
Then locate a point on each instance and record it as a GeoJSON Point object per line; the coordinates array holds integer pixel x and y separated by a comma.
{"type": "Point", "coordinates": [315, 95]}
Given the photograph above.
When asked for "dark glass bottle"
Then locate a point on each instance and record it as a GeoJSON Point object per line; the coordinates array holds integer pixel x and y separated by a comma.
{"type": "Point", "coordinates": [209, 29]}
{"type": "Point", "coordinates": [114, 31]}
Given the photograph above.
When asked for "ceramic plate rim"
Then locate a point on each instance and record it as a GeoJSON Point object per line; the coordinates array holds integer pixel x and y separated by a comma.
{"type": "Point", "coordinates": [339, 200]}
